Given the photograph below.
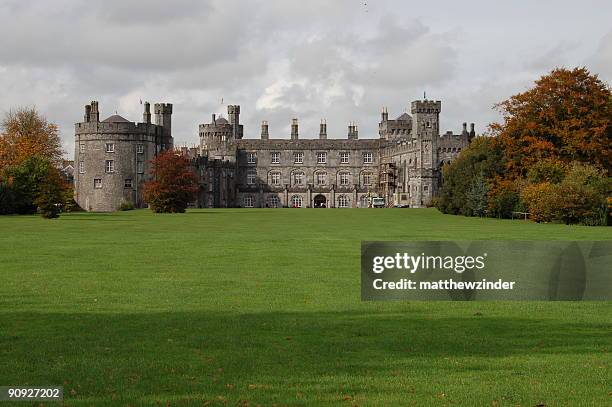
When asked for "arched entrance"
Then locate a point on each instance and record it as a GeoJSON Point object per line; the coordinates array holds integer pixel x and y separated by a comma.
{"type": "Point", "coordinates": [320, 201]}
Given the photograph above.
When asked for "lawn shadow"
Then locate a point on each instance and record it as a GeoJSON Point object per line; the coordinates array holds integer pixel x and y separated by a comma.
{"type": "Point", "coordinates": [207, 353]}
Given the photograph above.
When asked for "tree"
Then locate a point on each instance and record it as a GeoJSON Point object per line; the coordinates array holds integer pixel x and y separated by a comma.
{"type": "Point", "coordinates": [480, 159]}
{"type": "Point", "coordinates": [51, 194]}
{"type": "Point", "coordinates": [174, 184]}
{"type": "Point", "coordinates": [476, 196]}
{"type": "Point", "coordinates": [567, 116]}
{"type": "Point", "coordinates": [25, 133]}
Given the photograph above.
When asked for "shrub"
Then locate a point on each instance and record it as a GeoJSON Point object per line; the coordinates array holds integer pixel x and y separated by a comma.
{"type": "Point", "coordinates": [126, 206]}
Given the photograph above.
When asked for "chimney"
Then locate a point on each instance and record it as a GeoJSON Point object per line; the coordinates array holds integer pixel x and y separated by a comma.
{"type": "Point", "coordinates": [465, 132]}
{"type": "Point", "coordinates": [352, 131]}
{"type": "Point", "coordinates": [384, 114]}
{"type": "Point", "coordinates": [294, 129]}
{"type": "Point", "coordinates": [87, 113]}
{"type": "Point", "coordinates": [94, 115]}
{"type": "Point", "coordinates": [323, 130]}
{"type": "Point", "coordinates": [264, 130]}
{"type": "Point", "coordinates": [146, 116]}
{"type": "Point", "coordinates": [472, 131]}
{"type": "Point", "coordinates": [214, 118]}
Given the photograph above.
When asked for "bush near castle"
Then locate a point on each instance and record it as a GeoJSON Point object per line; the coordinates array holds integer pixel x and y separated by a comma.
{"type": "Point", "coordinates": [30, 150]}
{"type": "Point", "coordinates": [550, 157]}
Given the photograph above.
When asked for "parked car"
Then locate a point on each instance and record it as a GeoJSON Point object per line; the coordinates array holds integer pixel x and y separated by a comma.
{"type": "Point", "coordinates": [378, 202]}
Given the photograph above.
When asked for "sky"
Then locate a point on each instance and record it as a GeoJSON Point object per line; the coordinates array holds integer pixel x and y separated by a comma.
{"type": "Point", "coordinates": [338, 60]}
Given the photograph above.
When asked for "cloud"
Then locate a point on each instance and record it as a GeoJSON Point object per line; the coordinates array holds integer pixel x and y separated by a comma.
{"type": "Point", "coordinates": [339, 60]}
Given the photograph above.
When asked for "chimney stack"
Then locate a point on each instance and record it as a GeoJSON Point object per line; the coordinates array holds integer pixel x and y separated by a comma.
{"type": "Point", "coordinates": [323, 130]}
{"type": "Point", "coordinates": [94, 115]}
{"type": "Point", "coordinates": [294, 129]}
{"type": "Point", "coordinates": [472, 131]}
{"type": "Point", "coordinates": [384, 114]}
{"type": "Point", "coordinates": [352, 131]}
{"type": "Point", "coordinates": [214, 118]}
{"type": "Point", "coordinates": [146, 116]}
{"type": "Point", "coordinates": [87, 113]}
{"type": "Point", "coordinates": [465, 132]}
{"type": "Point", "coordinates": [264, 130]}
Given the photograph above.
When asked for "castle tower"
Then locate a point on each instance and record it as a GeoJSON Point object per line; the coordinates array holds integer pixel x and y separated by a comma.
{"type": "Point", "coordinates": [233, 113]}
{"type": "Point", "coordinates": [426, 133]}
{"type": "Point", "coordinates": [294, 129]}
{"type": "Point", "coordinates": [323, 130]}
{"type": "Point", "coordinates": [163, 117]}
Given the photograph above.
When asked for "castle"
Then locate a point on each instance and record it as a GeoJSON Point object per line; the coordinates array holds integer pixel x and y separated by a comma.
{"type": "Point", "coordinates": [403, 165]}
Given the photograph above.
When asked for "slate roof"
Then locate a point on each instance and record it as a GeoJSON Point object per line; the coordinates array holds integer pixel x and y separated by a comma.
{"type": "Point", "coordinates": [115, 119]}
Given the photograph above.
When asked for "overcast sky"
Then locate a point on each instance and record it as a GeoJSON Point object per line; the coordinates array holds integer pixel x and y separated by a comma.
{"type": "Point", "coordinates": [338, 60]}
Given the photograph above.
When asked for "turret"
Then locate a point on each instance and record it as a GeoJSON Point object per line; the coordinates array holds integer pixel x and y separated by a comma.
{"type": "Point", "coordinates": [146, 116]}
{"type": "Point", "coordinates": [323, 130]}
{"type": "Point", "coordinates": [264, 130]}
{"type": "Point", "coordinates": [425, 119]}
{"type": "Point", "coordinates": [233, 113]}
{"type": "Point", "coordinates": [294, 129]}
{"type": "Point", "coordinates": [163, 117]}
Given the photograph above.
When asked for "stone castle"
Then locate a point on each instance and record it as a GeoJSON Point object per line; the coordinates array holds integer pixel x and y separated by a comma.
{"type": "Point", "coordinates": [403, 165]}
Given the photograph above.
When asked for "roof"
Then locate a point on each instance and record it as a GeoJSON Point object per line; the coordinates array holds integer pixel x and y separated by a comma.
{"type": "Point", "coordinates": [221, 120]}
{"type": "Point", "coordinates": [404, 116]}
{"type": "Point", "coordinates": [115, 119]}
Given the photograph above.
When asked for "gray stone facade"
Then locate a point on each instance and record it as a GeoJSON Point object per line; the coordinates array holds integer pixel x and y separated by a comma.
{"type": "Point", "coordinates": [403, 164]}
{"type": "Point", "coordinates": [112, 156]}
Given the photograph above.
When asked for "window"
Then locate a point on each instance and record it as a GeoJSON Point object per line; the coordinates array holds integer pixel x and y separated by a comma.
{"type": "Point", "coordinates": [140, 167]}
{"type": "Point", "coordinates": [367, 178]}
{"type": "Point", "coordinates": [251, 158]}
{"type": "Point", "coordinates": [128, 183]}
{"type": "Point", "coordinates": [344, 178]}
{"type": "Point", "coordinates": [248, 201]}
{"type": "Point", "coordinates": [109, 166]}
{"type": "Point", "coordinates": [321, 178]}
{"type": "Point", "coordinates": [343, 201]}
{"type": "Point", "coordinates": [321, 158]}
{"type": "Point", "coordinates": [344, 158]}
{"type": "Point", "coordinates": [251, 177]}
{"type": "Point", "coordinates": [81, 167]}
{"type": "Point", "coordinates": [139, 149]}
{"type": "Point", "coordinates": [82, 148]}
{"type": "Point", "coordinates": [275, 157]}
{"type": "Point", "coordinates": [296, 201]}
{"type": "Point", "coordinates": [110, 147]}
{"type": "Point", "coordinates": [298, 178]}
{"type": "Point", "coordinates": [298, 158]}
{"type": "Point", "coordinates": [273, 201]}
{"type": "Point", "coordinates": [367, 158]}
{"type": "Point", "coordinates": [97, 183]}
{"type": "Point", "coordinates": [275, 178]}
{"type": "Point", "coordinates": [425, 188]}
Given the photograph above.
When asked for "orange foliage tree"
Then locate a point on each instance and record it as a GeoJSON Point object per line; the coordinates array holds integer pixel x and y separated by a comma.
{"type": "Point", "coordinates": [26, 133]}
{"type": "Point", "coordinates": [567, 115]}
{"type": "Point", "coordinates": [174, 184]}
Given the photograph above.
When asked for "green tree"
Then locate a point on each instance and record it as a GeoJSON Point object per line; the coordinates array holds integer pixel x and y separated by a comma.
{"type": "Point", "coordinates": [476, 196]}
{"type": "Point", "coordinates": [51, 194]}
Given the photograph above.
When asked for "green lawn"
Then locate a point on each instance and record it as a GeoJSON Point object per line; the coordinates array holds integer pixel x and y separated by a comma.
{"type": "Point", "coordinates": [262, 306]}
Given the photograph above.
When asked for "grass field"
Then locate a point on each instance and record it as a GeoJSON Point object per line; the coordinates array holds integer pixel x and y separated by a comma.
{"type": "Point", "coordinates": [262, 307]}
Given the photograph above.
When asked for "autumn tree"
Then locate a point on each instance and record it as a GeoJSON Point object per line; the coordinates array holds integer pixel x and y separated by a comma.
{"type": "Point", "coordinates": [567, 116]}
{"type": "Point", "coordinates": [174, 184]}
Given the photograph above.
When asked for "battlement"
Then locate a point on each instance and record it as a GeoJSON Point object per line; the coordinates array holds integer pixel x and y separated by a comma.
{"type": "Point", "coordinates": [233, 109]}
{"type": "Point", "coordinates": [162, 108]}
{"type": "Point", "coordinates": [116, 128]}
{"type": "Point", "coordinates": [426, 106]}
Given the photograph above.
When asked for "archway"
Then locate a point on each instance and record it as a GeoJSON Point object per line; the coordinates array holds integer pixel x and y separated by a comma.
{"type": "Point", "coordinates": [320, 201]}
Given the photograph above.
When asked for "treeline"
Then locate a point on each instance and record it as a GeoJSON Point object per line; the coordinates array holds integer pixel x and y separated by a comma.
{"type": "Point", "coordinates": [30, 153]}
{"type": "Point", "coordinates": [550, 157]}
